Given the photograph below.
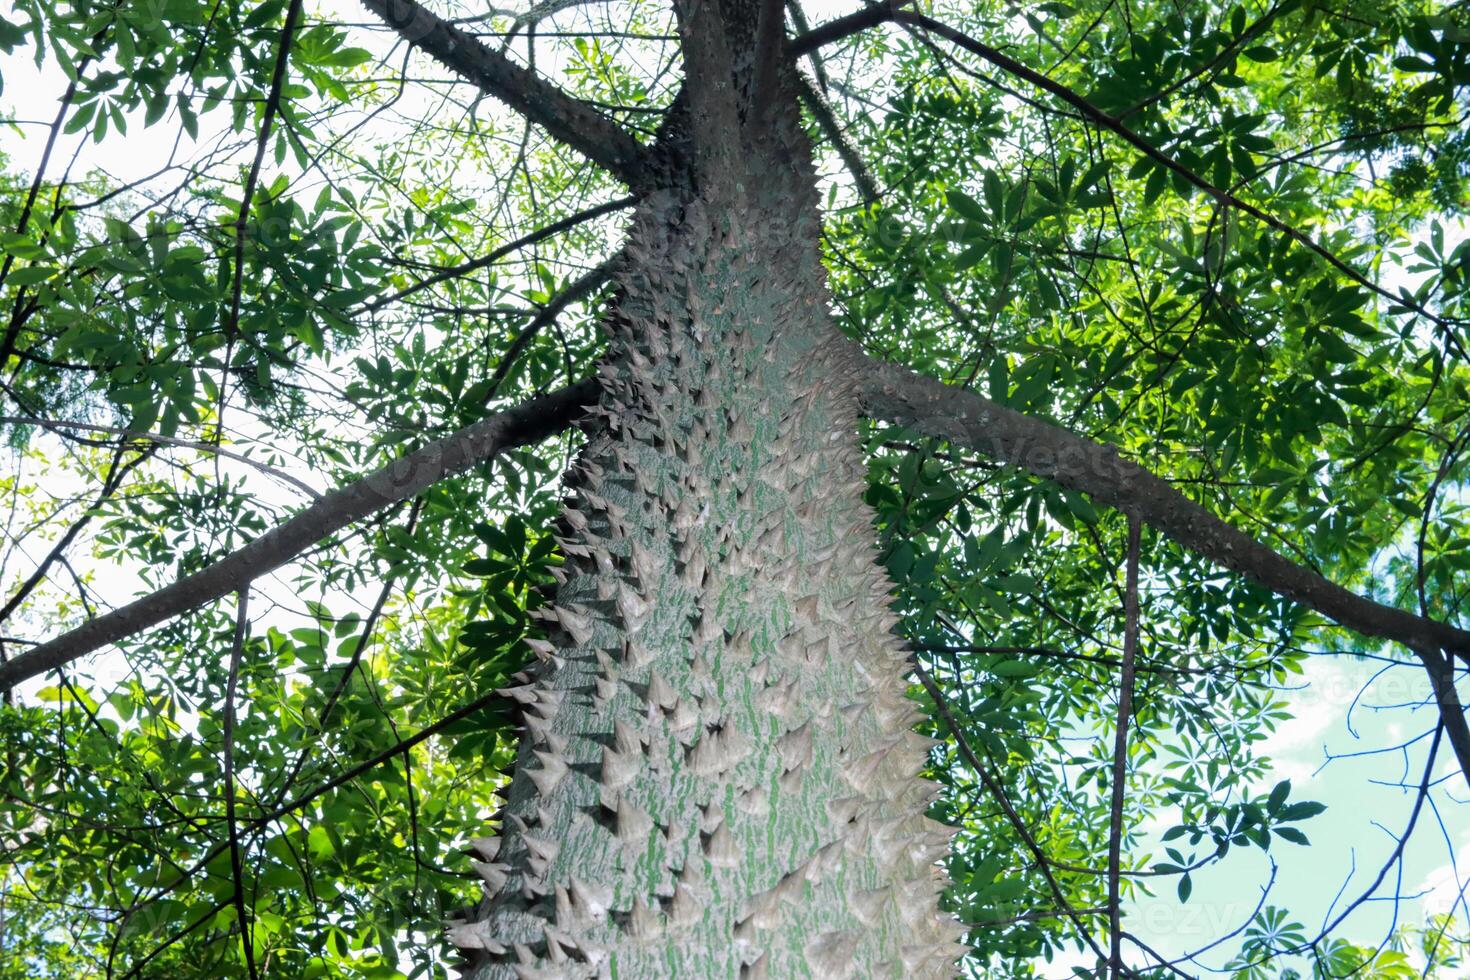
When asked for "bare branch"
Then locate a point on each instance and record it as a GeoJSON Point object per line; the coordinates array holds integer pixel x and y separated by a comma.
{"type": "Point", "coordinates": [566, 118]}
{"type": "Point", "coordinates": [110, 484]}
{"type": "Point", "coordinates": [842, 27]}
{"type": "Point", "coordinates": [227, 731]}
{"type": "Point", "coordinates": [252, 178]}
{"type": "Point", "coordinates": [1120, 756]}
{"type": "Point", "coordinates": [580, 288]}
{"type": "Point", "coordinates": [399, 480]}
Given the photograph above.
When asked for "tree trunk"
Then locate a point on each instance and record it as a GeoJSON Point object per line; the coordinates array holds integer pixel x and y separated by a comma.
{"type": "Point", "coordinates": [718, 776]}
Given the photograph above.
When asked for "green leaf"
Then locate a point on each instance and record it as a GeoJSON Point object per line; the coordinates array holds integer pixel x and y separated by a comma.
{"type": "Point", "coordinates": [966, 206]}
{"type": "Point", "coordinates": [30, 275]}
{"type": "Point", "coordinates": [1293, 835]}
{"type": "Point", "coordinates": [1015, 668]}
{"type": "Point", "coordinates": [347, 58]}
{"type": "Point", "coordinates": [971, 256]}
{"type": "Point", "coordinates": [1301, 811]}
{"type": "Point", "coordinates": [1411, 63]}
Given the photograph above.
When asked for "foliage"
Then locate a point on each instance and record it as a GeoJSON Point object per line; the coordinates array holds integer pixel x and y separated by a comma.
{"type": "Point", "coordinates": [339, 318]}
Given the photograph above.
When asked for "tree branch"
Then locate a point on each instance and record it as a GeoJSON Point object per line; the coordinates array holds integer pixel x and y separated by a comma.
{"type": "Point", "coordinates": [961, 416]}
{"type": "Point", "coordinates": [770, 41]}
{"type": "Point", "coordinates": [893, 10]}
{"type": "Point", "coordinates": [567, 119]}
{"type": "Point", "coordinates": [842, 27]}
{"type": "Point", "coordinates": [827, 121]}
{"type": "Point", "coordinates": [996, 790]}
{"type": "Point", "coordinates": [57, 425]}
{"type": "Point", "coordinates": [490, 258]}
{"type": "Point", "coordinates": [227, 731]}
{"type": "Point", "coordinates": [19, 311]}
{"type": "Point", "coordinates": [399, 480]}
{"type": "Point", "coordinates": [252, 178]}
{"type": "Point", "coordinates": [1451, 712]}
{"type": "Point", "coordinates": [110, 484]}
{"type": "Point", "coordinates": [1140, 668]}
{"type": "Point", "coordinates": [1120, 757]}
{"type": "Point", "coordinates": [341, 779]}
{"type": "Point", "coordinates": [578, 289]}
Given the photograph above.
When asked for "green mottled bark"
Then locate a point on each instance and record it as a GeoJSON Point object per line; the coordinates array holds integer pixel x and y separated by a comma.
{"type": "Point", "coordinates": [718, 777]}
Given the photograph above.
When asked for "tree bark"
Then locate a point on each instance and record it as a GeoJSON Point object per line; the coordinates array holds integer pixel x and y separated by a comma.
{"type": "Point", "coordinates": [718, 776]}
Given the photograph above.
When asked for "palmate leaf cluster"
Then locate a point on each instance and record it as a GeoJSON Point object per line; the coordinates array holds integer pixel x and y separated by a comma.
{"type": "Point", "coordinates": [1010, 244]}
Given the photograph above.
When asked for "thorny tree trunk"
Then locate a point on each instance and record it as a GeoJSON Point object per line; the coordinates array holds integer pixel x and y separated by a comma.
{"type": "Point", "coordinates": [718, 776]}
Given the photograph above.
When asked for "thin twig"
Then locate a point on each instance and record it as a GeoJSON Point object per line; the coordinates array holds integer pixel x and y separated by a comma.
{"type": "Point", "coordinates": [388, 754]}
{"type": "Point", "coordinates": [474, 265]}
{"type": "Point", "coordinates": [364, 639]}
{"type": "Point", "coordinates": [117, 471]}
{"type": "Point", "coordinates": [242, 915]}
{"type": "Point", "coordinates": [1120, 754]}
{"type": "Point", "coordinates": [997, 791]}
{"type": "Point", "coordinates": [576, 290]}
{"type": "Point", "coordinates": [252, 178]}
{"type": "Point", "coordinates": [153, 437]}
{"type": "Point", "coordinates": [1115, 125]}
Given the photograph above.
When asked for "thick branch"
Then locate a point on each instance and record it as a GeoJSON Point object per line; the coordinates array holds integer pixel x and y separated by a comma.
{"type": "Point", "coordinates": [842, 27]}
{"type": "Point", "coordinates": [403, 478]}
{"type": "Point", "coordinates": [567, 119]}
{"type": "Point", "coordinates": [1451, 711]}
{"type": "Point", "coordinates": [714, 103]}
{"type": "Point", "coordinates": [896, 394]}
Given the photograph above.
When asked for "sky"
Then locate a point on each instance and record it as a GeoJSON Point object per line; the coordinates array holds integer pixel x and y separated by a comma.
{"type": "Point", "coordinates": [1342, 709]}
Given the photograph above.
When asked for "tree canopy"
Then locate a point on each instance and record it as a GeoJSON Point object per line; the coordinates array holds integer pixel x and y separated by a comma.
{"type": "Point", "coordinates": [338, 272]}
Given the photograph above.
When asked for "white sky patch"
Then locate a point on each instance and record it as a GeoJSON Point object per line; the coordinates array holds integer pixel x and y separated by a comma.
{"type": "Point", "coordinates": [1297, 747]}
{"type": "Point", "coordinates": [1316, 706]}
{"type": "Point", "coordinates": [1444, 886]}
